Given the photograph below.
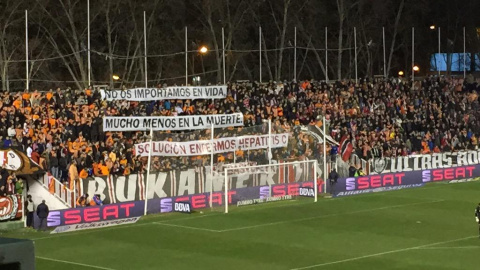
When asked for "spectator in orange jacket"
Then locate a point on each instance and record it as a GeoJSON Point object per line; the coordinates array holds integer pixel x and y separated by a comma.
{"type": "Point", "coordinates": [82, 201]}
{"type": "Point", "coordinates": [73, 174]}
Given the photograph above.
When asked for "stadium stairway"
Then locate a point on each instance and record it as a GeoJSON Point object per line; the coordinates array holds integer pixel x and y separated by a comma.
{"type": "Point", "coordinates": [40, 192]}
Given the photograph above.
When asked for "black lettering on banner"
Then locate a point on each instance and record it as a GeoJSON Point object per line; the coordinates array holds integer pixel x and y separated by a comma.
{"type": "Point", "coordinates": [147, 122]}
{"type": "Point", "coordinates": [139, 93]}
{"type": "Point", "coordinates": [421, 162]}
{"type": "Point", "coordinates": [208, 90]}
{"type": "Point", "coordinates": [110, 94]}
{"type": "Point", "coordinates": [183, 122]}
{"type": "Point", "coordinates": [123, 94]}
{"type": "Point", "coordinates": [108, 123]}
{"type": "Point", "coordinates": [197, 92]}
{"type": "Point", "coordinates": [199, 123]}
{"type": "Point", "coordinates": [147, 93]}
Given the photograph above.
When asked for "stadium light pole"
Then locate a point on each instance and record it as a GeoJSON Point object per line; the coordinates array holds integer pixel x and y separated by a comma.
{"type": "Point", "coordinates": [464, 55]}
{"type": "Point", "coordinates": [384, 55]}
{"type": "Point", "coordinates": [326, 54]}
{"type": "Point", "coordinates": [89, 65]}
{"type": "Point", "coordinates": [295, 56]}
{"type": "Point", "coordinates": [413, 56]}
{"type": "Point", "coordinates": [186, 57]}
{"type": "Point", "coordinates": [260, 51]}
{"type": "Point", "coordinates": [223, 56]}
{"type": "Point", "coordinates": [149, 162]}
{"type": "Point", "coordinates": [145, 46]}
{"type": "Point", "coordinates": [439, 50]}
{"type": "Point", "coordinates": [355, 42]}
{"type": "Point", "coordinates": [27, 75]}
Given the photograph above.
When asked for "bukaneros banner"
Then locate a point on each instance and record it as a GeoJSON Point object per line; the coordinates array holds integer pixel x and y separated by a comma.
{"type": "Point", "coordinates": [164, 123]}
{"type": "Point", "coordinates": [11, 207]}
{"type": "Point", "coordinates": [400, 180]}
{"type": "Point", "coordinates": [174, 183]}
{"type": "Point", "coordinates": [90, 214]}
{"type": "Point", "coordinates": [222, 145]}
{"type": "Point", "coordinates": [172, 92]}
{"type": "Point", "coordinates": [424, 162]}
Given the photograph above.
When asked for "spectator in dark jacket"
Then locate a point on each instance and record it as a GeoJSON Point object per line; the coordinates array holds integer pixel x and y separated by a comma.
{"type": "Point", "coordinates": [333, 177]}
{"type": "Point", "coordinates": [42, 213]}
{"type": "Point", "coordinates": [54, 166]}
{"type": "Point", "coordinates": [351, 171]}
{"type": "Point", "coordinates": [63, 163]}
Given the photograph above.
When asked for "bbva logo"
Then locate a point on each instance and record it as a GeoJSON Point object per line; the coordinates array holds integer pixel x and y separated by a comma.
{"type": "Point", "coordinates": [307, 192]}
{"type": "Point", "coordinates": [183, 207]}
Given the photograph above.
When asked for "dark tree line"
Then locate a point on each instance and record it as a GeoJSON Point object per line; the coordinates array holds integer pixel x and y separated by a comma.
{"type": "Point", "coordinates": [58, 39]}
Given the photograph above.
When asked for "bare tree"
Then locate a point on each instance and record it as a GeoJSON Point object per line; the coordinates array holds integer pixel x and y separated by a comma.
{"type": "Point", "coordinates": [10, 20]}
{"type": "Point", "coordinates": [66, 29]}
{"type": "Point", "coordinates": [395, 31]}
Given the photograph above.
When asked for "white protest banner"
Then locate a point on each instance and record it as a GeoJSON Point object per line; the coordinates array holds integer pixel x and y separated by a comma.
{"type": "Point", "coordinates": [94, 225]}
{"type": "Point", "coordinates": [221, 145]}
{"type": "Point", "coordinates": [163, 123]}
{"type": "Point", "coordinates": [172, 92]}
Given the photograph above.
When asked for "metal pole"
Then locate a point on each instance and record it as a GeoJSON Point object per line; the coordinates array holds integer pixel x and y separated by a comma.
{"type": "Point", "coordinates": [464, 55]}
{"type": "Point", "coordinates": [149, 162]}
{"type": "Point", "coordinates": [226, 191]}
{"type": "Point", "coordinates": [145, 46]}
{"type": "Point", "coordinates": [24, 209]}
{"type": "Point", "coordinates": [355, 41]}
{"type": "Point", "coordinates": [88, 44]}
{"type": "Point", "coordinates": [439, 50]}
{"type": "Point", "coordinates": [295, 57]}
{"type": "Point", "coordinates": [325, 175]}
{"type": "Point", "coordinates": [223, 52]}
{"type": "Point", "coordinates": [315, 179]}
{"type": "Point", "coordinates": [212, 137]}
{"type": "Point", "coordinates": [413, 55]}
{"type": "Point", "coordinates": [27, 75]}
{"type": "Point", "coordinates": [186, 57]}
{"type": "Point", "coordinates": [326, 54]}
{"type": "Point", "coordinates": [384, 55]}
{"type": "Point", "coordinates": [260, 50]}
{"type": "Point", "coordinates": [269, 141]}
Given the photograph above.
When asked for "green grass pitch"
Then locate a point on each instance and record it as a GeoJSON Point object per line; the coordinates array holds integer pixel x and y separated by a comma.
{"type": "Point", "coordinates": [424, 228]}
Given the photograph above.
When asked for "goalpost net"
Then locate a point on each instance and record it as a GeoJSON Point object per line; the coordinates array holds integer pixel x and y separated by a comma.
{"type": "Point", "coordinates": [258, 184]}
{"type": "Point", "coordinates": [181, 165]}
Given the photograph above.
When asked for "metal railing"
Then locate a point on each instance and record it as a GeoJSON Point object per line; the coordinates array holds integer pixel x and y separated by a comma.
{"type": "Point", "coordinates": [59, 190]}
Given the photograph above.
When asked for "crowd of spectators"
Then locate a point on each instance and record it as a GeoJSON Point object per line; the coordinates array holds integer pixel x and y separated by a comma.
{"type": "Point", "coordinates": [9, 183]}
{"type": "Point", "coordinates": [62, 130]}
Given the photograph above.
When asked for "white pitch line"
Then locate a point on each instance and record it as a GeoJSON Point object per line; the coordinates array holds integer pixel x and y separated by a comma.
{"type": "Point", "coordinates": [116, 227]}
{"type": "Point", "coordinates": [465, 247]}
{"type": "Point", "coordinates": [208, 215]}
{"type": "Point", "coordinates": [328, 215]}
{"type": "Point", "coordinates": [384, 253]}
{"type": "Point", "coordinates": [186, 227]}
{"type": "Point", "coordinates": [74, 263]}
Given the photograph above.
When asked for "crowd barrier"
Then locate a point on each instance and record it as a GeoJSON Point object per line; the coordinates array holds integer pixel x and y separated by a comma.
{"type": "Point", "coordinates": [400, 180]}
{"type": "Point", "coordinates": [57, 189]}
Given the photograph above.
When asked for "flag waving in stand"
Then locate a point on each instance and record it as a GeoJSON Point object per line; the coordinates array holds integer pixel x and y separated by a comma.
{"type": "Point", "coordinates": [345, 148]}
